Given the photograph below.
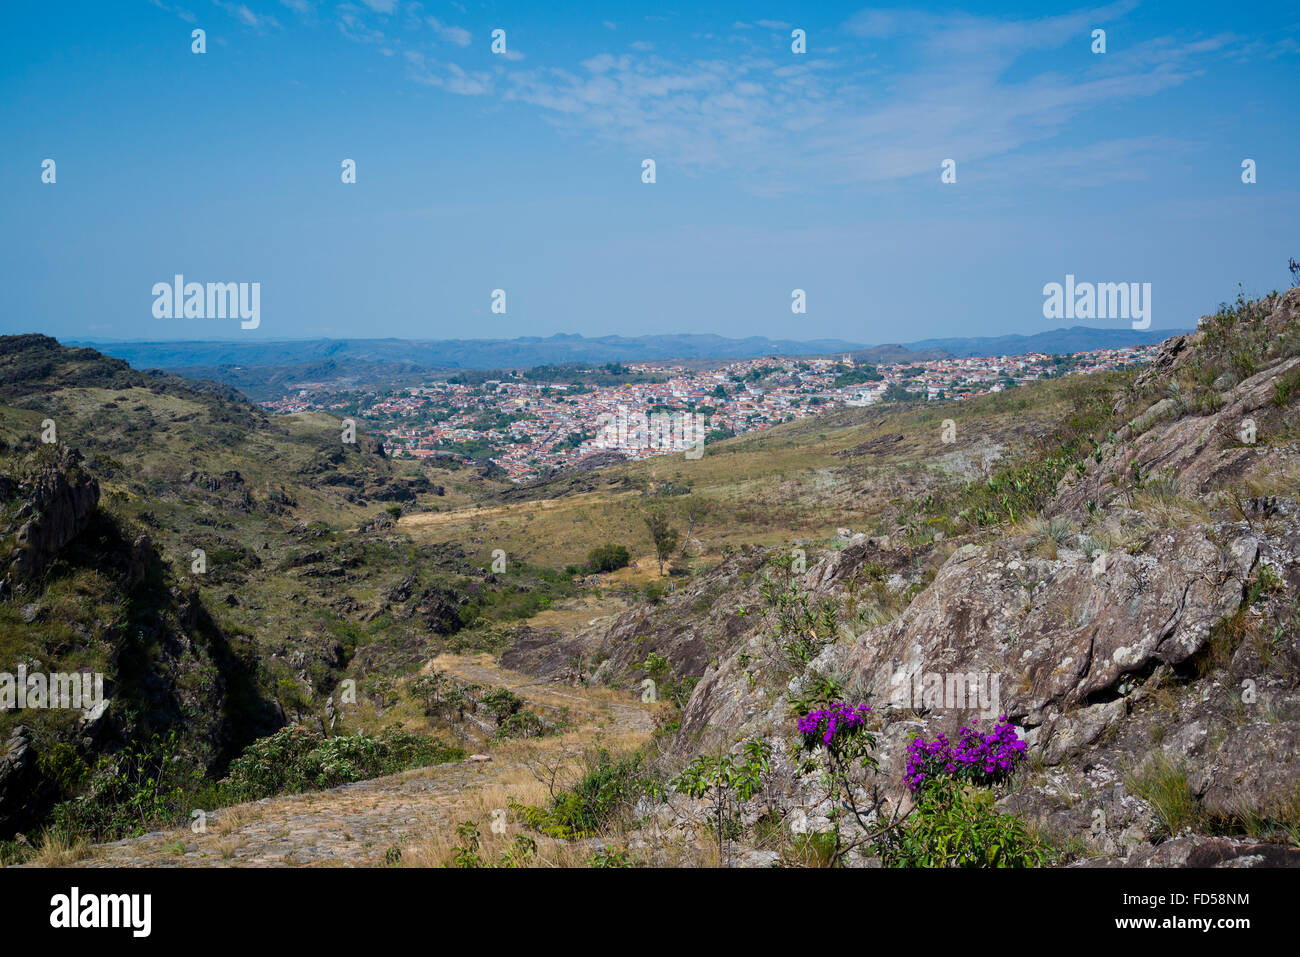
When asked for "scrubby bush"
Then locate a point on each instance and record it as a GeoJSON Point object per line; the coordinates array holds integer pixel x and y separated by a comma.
{"type": "Point", "coordinates": [608, 790]}
{"type": "Point", "coordinates": [127, 792]}
{"type": "Point", "coordinates": [608, 558]}
{"type": "Point", "coordinates": [726, 782]}
{"type": "Point", "coordinates": [300, 759]}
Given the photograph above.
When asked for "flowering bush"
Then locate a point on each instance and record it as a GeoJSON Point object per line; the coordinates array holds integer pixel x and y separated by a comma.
{"type": "Point", "coordinates": [829, 724]}
{"type": "Point", "coordinates": [976, 758]}
{"type": "Point", "coordinates": [836, 739]}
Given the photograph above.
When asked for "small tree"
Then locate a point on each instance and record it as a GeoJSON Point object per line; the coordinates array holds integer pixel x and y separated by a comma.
{"type": "Point", "coordinates": [838, 740]}
{"type": "Point", "coordinates": [428, 690]}
{"type": "Point", "coordinates": [697, 509]}
{"type": "Point", "coordinates": [664, 536]}
{"type": "Point", "coordinates": [724, 779]}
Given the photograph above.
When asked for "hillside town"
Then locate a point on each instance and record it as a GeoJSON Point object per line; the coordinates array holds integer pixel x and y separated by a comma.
{"type": "Point", "coordinates": [529, 428]}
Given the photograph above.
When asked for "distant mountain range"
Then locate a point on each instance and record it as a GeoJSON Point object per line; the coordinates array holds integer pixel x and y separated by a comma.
{"type": "Point", "coordinates": [1052, 342]}
{"type": "Point", "coordinates": [528, 351]}
{"type": "Point", "coordinates": [523, 352]}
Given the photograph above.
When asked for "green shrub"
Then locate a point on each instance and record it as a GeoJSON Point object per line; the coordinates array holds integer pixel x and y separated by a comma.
{"type": "Point", "coordinates": [1286, 387]}
{"type": "Point", "coordinates": [63, 767]}
{"type": "Point", "coordinates": [603, 857]}
{"type": "Point", "coordinates": [608, 558]}
{"type": "Point", "coordinates": [958, 826]}
{"type": "Point", "coordinates": [300, 759]}
{"type": "Point", "coordinates": [523, 724]}
{"type": "Point", "coordinates": [501, 703]}
{"type": "Point", "coordinates": [608, 790]}
{"type": "Point", "coordinates": [128, 791]}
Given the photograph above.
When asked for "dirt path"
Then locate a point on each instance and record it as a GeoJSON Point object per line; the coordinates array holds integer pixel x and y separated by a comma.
{"type": "Point", "coordinates": [367, 823]}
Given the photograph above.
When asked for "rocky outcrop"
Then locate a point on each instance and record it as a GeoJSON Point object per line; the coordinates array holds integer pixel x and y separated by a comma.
{"type": "Point", "coordinates": [1060, 634]}
{"type": "Point", "coordinates": [60, 499]}
{"type": "Point", "coordinates": [546, 654]}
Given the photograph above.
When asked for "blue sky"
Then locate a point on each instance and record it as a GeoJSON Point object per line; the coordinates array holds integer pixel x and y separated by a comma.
{"type": "Point", "coordinates": [522, 171]}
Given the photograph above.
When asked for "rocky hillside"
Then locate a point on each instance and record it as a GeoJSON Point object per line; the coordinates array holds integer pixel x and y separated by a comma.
{"type": "Point", "coordinates": [1127, 591]}
{"type": "Point", "coordinates": [223, 569]}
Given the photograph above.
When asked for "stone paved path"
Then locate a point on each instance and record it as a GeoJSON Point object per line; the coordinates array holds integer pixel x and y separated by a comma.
{"type": "Point", "coordinates": [357, 824]}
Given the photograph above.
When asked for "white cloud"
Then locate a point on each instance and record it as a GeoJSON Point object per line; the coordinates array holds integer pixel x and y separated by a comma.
{"type": "Point", "coordinates": [184, 14]}
{"type": "Point", "coordinates": [247, 17]}
{"type": "Point", "coordinates": [452, 34]}
{"type": "Point", "coordinates": [851, 116]}
{"type": "Point", "coordinates": [353, 26]}
{"type": "Point", "coordinates": [448, 76]}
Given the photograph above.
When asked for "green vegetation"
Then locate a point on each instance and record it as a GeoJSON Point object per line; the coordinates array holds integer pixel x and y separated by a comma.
{"type": "Point", "coordinates": [1023, 486]}
{"type": "Point", "coordinates": [958, 826]}
{"type": "Point", "coordinates": [897, 393]}
{"type": "Point", "coordinates": [299, 759]}
{"type": "Point", "coordinates": [1162, 782]}
{"type": "Point", "coordinates": [725, 781]}
{"type": "Point", "coordinates": [855, 376]}
{"type": "Point", "coordinates": [664, 536]}
{"type": "Point", "coordinates": [607, 791]}
{"type": "Point", "coordinates": [608, 558]}
{"type": "Point", "coordinates": [469, 853]}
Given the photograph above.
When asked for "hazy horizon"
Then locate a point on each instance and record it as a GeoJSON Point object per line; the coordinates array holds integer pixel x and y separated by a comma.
{"type": "Point", "coordinates": [237, 340]}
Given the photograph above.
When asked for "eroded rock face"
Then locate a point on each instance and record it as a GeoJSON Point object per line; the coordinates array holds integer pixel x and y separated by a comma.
{"type": "Point", "coordinates": [1255, 770]}
{"type": "Point", "coordinates": [545, 654]}
{"type": "Point", "coordinates": [61, 498]}
{"type": "Point", "coordinates": [1059, 634]}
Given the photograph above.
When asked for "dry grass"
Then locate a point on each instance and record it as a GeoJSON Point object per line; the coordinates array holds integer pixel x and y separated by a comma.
{"type": "Point", "coordinates": [1283, 480]}
{"type": "Point", "coordinates": [1167, 508]}
{"type": "Point", "coordinates": [232, 819]}
{"type": "Point", "coordinates": [57, 850]}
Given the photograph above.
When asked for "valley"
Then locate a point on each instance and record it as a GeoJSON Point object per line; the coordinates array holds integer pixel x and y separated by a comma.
{"type": "Point", "coordinates": [1117, 553]}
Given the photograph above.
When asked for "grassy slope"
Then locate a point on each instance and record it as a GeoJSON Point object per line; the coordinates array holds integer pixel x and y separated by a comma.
{"type": "Point", "coordinates": [797, 481]}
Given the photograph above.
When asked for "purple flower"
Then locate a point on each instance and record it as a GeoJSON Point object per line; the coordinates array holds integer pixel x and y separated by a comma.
{"type": "Point", "coordinates": [839, 720]}
{"type": "Point", "coordinates": [982, 759]}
